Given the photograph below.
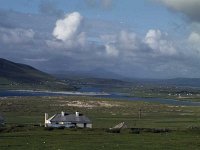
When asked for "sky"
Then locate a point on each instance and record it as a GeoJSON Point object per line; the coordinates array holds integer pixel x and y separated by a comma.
{"type": "Point", "coordinates": [132, 38]}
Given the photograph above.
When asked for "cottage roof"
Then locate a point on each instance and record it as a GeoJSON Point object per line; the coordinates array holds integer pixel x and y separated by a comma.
{"type": "Point", "coordinates": [70, 118]}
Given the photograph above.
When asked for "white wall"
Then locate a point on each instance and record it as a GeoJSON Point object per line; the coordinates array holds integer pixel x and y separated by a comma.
{"type": "Point", "coordinates": [80, 125]}
{"type": "Point", "coordinates": [89, 125]}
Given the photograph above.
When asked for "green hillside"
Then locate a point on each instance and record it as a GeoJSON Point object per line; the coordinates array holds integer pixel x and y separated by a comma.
{"type": "Point", "coordinates": [21, 76]}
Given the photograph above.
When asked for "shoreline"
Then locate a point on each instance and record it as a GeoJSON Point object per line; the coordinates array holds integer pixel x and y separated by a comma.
{"type": "Point", "coordinates": [64, 92]}
{"type": "Point", "coordinates": [114, 96]}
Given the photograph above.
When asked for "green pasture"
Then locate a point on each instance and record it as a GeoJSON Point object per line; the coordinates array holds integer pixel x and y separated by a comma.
{"type": "Point", "coordinates": [25, 117]}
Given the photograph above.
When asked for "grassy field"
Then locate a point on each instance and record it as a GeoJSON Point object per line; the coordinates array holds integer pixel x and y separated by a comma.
{"type": "Point", "coordinates": [37, 139]}
{"type": "Point", "coordinates": [25, 116]}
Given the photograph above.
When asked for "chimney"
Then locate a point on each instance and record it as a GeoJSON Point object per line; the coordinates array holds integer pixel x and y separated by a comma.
{"type": "Point", "coordinates": [63, 113]}
{"type": "Point", "coordinates": [45, 119]}
{"type": "Point", "coordinates": [77, 114]}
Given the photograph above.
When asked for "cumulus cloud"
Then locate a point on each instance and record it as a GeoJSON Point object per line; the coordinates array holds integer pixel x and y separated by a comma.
{"type": "Point", "coordinates": [128, 40]}
{"type": "Point", "coordinates": [121, 43]}
{"type": "Point", "coordinates": [111, 50]}
{"type": "Point", "coordinates": [158, 42]}
{"type": "Point", "coordinates": [78, 42]}
{"type": "Point", "coordinates": [189, 7]}
{"type": "Point", "coordinates": [194, 43]}
{"type": "Point", "coordinates": [68, 27]}
{"type": "Point", "coordinates": [68, 30]}
{"type": "Point", "coordinates": [125, 43]}
{"type": "Point", "coordinates": [29, 40]}
{"type": "Point", "coordinates": [194, 38]}
{"type": "Point", "coordinates": [17, 35]}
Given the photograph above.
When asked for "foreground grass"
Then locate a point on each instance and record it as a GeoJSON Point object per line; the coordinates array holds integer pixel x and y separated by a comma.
{"type": "Point", "coordinates": [24, 115]}
{"type": "Point", "coordinates": [98, 139]}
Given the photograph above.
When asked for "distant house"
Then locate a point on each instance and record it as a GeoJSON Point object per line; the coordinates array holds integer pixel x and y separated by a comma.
{"type": "Point", "coordinates": [2, 122]}
{"type": "Point", "coordinates": [67, 120]}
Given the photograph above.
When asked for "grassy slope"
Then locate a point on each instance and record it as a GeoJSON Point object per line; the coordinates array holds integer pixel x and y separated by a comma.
{"type": "Point", "coordinates": [29, 111]}
{"type": "Point", "coordinates": [21, 72]}
{"type": "Point", "coordinates": [20, 76]}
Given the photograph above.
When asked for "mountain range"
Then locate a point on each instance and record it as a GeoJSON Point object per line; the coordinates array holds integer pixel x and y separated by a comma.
{"type": "Point", "coordinates": [16, 75]}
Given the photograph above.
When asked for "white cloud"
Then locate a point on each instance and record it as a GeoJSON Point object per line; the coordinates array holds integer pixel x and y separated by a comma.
{"type": "Point", "coordinates": [68, 32]}
{"type": "Point", "coordinates": [129, 44]}
{"type": "Point", "coordinates": [17, 35]}
{"type": "Point", "coordinates": [188, 7]}
{"type": "Point", "coordinates": [159, 43]}
{"type": "Point", "coordinates": [194, 43]}
{"type": "Point", "coordinates": [111, 50]}
{"type": "Point", "coordinates": [78, 42]}
{"type": "Point", "coordinates": [68, 28]}
{"type": "Point", "coordinates": [121, 43]}
{"type": "Point", "coordinates": [194, 38]}
{"type": "Point", "coordinates": [124, 39]}
{"type": "Point", "coordinates": [128, 40]}
{"type": "Point", "coordinates": [152, 55]}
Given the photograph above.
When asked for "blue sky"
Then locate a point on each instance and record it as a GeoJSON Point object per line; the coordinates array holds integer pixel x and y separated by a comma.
{"type": "Point", "coordinates": [134, 38]}
{"type": "Point", "coordinates": [140, 14]}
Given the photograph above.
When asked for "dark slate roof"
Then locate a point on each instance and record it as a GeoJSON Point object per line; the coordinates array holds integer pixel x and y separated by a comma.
{"type": "Point", "coordinates": [70, 118]}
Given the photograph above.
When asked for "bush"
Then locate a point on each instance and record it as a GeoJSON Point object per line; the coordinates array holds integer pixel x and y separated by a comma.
{"type": "Point", "coordinates": [37, 125]}
{"type": "Point", "coordinates": [135, 131]}
{"type": "Point", "coordinates": [156, 130]}
{"type": "Point", "coordinates": [2, 129]}
{"type": "Point", "coordinates": [160, 130]}
{"type": "Point", "coordinates": [194, 128]}
{"type": "Point", "coordinates": [20, 126]}
{"type": "Point", "coordinates": [113, 130]}
{"type": "Point", "coordinates": [49, 128]}
{"type": "Point", "coordinates": [61, 127]}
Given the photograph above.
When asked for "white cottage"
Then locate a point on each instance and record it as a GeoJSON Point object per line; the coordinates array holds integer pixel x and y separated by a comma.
{"type": "Point", "coordinates": [67, 120]}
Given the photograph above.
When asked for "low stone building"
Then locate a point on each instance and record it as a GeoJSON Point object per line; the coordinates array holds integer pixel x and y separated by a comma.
{"type": "Point", "coordinates": [67, 120]}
